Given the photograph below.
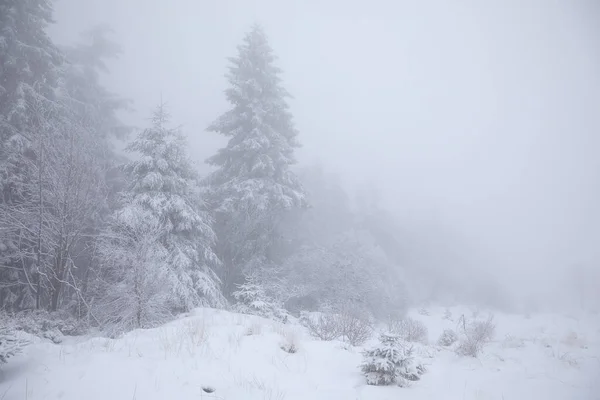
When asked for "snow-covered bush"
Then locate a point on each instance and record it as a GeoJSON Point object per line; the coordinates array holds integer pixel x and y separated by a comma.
{"type": "Point", "coordinates": [323, 326]}
{"type": "Point", "coordinates": [10, 345]}
{"type": "Point", "coordinates": [44, 324]}
{"type": "Point", "coordinates": [447, 338]}
{"type": "Point", "coordinates": [390, 362]}
{"type": "Point", "coordinates": [254, 300]}
{"type": "Point", "coordinates": [349, 324]}
{"type": "Point", "coordinates": [354, 329]}
{"type": "Point", "coordinates": [347, 269]}
{"type": "Point", "coordinates": [409, 329]}
{"type": "Point", "coordinates": [290, 342]}
{"type": "Point", "coordinates": [475, 335]}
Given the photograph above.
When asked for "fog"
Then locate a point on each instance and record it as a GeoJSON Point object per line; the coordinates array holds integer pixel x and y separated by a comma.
{"type": "Point", "coordinates": [477, 121]}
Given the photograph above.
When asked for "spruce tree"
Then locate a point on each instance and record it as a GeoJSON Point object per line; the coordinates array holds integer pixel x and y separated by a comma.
{"type": "Point", "coordinates": [389, 362]}
{"type": "Point", "coordinates": [30, 67]}
{"type": "Point", "coordinates": [253, 186]}
{"type": "Point", "coordinates": [253, 299]}
{"type": "Point", "coordinates": [164, 183]}
{"type": "Point", "coordinates": [94, 106]}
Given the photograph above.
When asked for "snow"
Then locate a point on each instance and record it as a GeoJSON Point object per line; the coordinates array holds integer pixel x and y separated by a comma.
{"type": "Point", "coordinates": [546, 357]}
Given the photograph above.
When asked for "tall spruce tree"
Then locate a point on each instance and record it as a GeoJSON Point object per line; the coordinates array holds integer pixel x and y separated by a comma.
{"type": "Point", "coordinates": [94, 105]}
{"type": "Point", "coordinates": [164, 183]}
{"type": "Point", "coordinates": [30, 67]}
{"type": "Point", "coordinates": [29, 60]}
{"type": "Point", "coordinates": [253, 186]}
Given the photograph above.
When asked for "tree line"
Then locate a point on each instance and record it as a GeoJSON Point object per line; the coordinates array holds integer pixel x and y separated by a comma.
{"type": "Point", "coordinates": [128, 242]}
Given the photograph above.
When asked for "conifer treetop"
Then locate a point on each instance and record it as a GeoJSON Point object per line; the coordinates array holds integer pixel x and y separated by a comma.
{"type": "Point", "coordinates": [163, 166]}
{"type": "Point", "coordinates": [261, 131]}
{"type": "Point", "coordinates": [30, 64]}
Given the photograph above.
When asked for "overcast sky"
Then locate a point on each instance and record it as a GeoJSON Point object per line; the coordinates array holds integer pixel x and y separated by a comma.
{"type": "Point", "coordinates": [481, 116]}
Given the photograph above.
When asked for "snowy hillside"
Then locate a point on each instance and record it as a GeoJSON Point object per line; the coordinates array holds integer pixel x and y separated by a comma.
{"type": "Point", "coordinates": [240, 357]}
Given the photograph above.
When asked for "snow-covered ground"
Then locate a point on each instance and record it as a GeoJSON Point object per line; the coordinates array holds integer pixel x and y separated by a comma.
{"type": "Point", "coordinates": [547, 357]}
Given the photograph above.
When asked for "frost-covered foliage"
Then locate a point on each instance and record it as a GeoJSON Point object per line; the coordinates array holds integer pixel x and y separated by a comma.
{"type": "Point", "coordinates": [253, 186]}
{"type": "Point", "coordinates": [290, 344]}
{"type": "Point", "coordinates": [30, 66]}
{"type": "Point", "coordinates": [253, 299]}
{"type": "Point", "coordinates": [333, 260]}
{"type": "Point", "coordinates": [409, 329]}
{"type": "Point", "coordinates": [390, 362]}
{"type": "Point", "coordinates": [350, 271]}
{"type": "Point", "coordinates": [10, 345]}
{"type": "Point", "coordinates": [134, 286]}
{"type": "Point", "coordinates": [53, 160]}
{"type": "Point", "coordinates": [61, 192]}
{"type": "Point", "coordinates": [447, 338]}
{"type": "Point", "coordinates": [47, 325]}
{"type": "Point", "coordinates": [164, 183]}
{"type": "Point", "coordinates": [349, 326]}
{"type": "Point", "coordinates": [475, 335]}
{"type": "Point", "coordinates": [355, 329]}
{"type": "Point", "coordinates": [96, 107]}
{"type": "Point", "coordinates": [324, 326]}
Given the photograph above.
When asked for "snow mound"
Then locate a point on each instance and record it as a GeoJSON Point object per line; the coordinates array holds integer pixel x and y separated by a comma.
{"type": "Point", "coordinates": [214, 354]}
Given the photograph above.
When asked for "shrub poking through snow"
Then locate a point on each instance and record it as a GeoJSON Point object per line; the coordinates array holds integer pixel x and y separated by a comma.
{"type": "Point", "coordinates": [290, 343]}
{"type": "Point", "coordinates": [354, 330]}
{"type": "Point", "coordinates": [348, 325]}
{"type": "Point", "coordinates": [289, 347]}
{"type": "Point", "coordinates": [475, 335]}
{"type": "Point", "coordinates": [10, 345]}
{"type": "Point", "coordinates": [391, 362]}
{"type": "Point", "coordinates": [44, 324]}
{"type": "Point", "coordinates": [323, 326]}
{"type": "Point", "coordinates": [409, 329]}
{"type": "Point", "coordinates": [447, 338]}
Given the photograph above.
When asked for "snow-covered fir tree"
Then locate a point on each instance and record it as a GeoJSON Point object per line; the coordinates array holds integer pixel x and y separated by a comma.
{"type": "Point", "coordinates": [29, 64]}
{"type": "Point", "coordinates": [253, 299]}
{"type": "Point", "coordinates": [165, 183]}
{"type": "Point", "coordinates": [389, 362]}
{"type": "Point", "coordinates": [253, 186]}
{"type": "Point", "coordinates": [30, 67]}
{"type": "Point", "coordinates": [95, 106]}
